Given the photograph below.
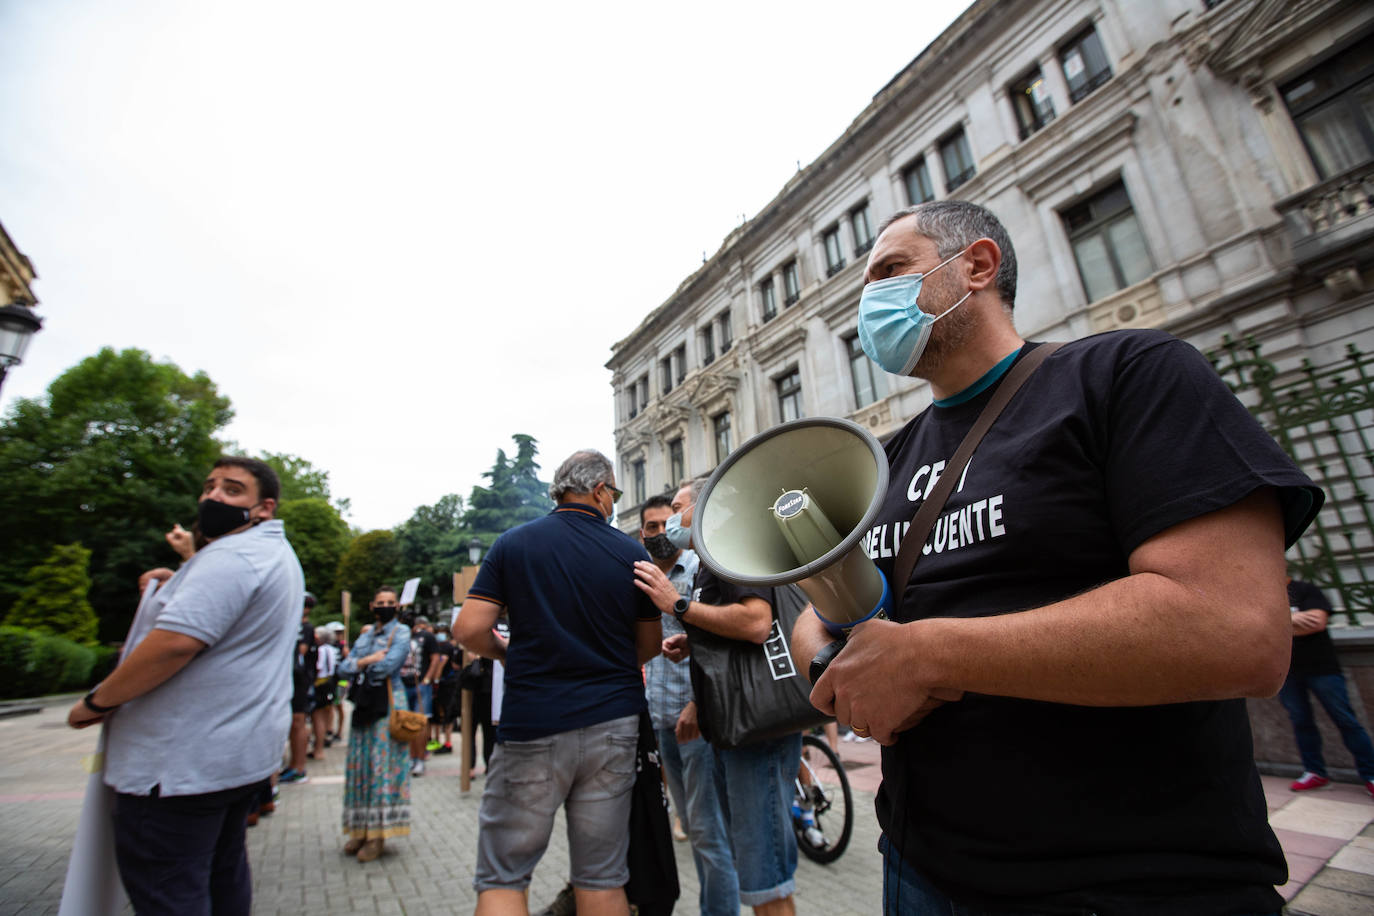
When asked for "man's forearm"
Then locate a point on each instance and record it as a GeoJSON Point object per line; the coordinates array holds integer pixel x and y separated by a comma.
{"type": "Point", "coordinates": [152, 663]}
{"type": "Point", "coordinates": [1140, 640]}
{"type": "Point", "coordinates": [751, 620]}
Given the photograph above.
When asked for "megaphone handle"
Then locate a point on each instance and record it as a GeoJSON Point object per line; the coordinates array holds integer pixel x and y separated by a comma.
{"type": "Point", "coordinates": [824, 657]}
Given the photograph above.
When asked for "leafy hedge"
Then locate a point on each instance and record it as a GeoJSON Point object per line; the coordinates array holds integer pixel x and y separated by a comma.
{"type": "Point", "coordinates": [34, 664]}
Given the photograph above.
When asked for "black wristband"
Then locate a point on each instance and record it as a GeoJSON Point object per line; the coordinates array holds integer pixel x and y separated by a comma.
{"type": "Point", "coordinates": [95, 707]}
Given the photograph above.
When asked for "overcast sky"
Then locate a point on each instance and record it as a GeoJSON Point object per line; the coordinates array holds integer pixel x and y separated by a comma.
{"type": "Point", "coordinates": [395, 234]}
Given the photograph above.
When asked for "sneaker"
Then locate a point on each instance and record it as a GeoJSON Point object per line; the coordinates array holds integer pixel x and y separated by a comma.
{"type": "Point", "coordinates": [444, 749]}
{"type": "Point", "coordinates": [1308, 781]}
{"type": "Point", "coordinates": [814, 838]}
{"type": "Point", "coordinates": [565, 904]}
{"type": "Point", "coordinates": [267, 808]}
{"type": "Point", "coordinates": [433, 746]}
{"type": "Point", "coordinates": [290, 776]}
{"type": "Point", "coordinates": [1370, 786]}
{"type": "Point", "coordinates": [417, 768]}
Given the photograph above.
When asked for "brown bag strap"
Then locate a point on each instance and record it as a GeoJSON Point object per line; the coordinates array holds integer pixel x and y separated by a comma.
{"type": "Point", "coordinates": [924, 519]}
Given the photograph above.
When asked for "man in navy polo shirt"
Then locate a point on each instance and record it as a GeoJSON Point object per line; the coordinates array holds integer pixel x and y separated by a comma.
{"type": "Point", "coordinates": [579, 630]}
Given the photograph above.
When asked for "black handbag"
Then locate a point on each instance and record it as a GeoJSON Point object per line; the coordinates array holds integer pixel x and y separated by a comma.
{"type": "Point", "coordinates": [746, 692]}
{"type": "Point", "coordinates": [370, 701]}
{"type": "Point", "coordinates": [653, 886]}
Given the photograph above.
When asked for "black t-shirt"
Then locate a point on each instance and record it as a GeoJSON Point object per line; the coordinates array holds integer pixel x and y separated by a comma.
{"type": "Point", "coordinates": [428, 643]}
{"type": "Point", "coordinates": [1313, 654]}
{"type": "Point", "coordinates": [1114, 439]}
{"type": "Point", "coordinates": [447, 650]}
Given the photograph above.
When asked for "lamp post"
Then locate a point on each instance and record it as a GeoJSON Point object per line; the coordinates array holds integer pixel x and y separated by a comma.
{"type": "Point", "coordinates": [17, 325]}
{"type": "Point", "coordinates": [474, 552]}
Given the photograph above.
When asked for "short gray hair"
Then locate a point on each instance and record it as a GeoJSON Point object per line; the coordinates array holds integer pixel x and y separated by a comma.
{"type": "Point", "coordinates": [694, 486]}
{"type": "Point", "coordinates": [580, 473]}
{"type": "Point", "coordinates": [953, 225]}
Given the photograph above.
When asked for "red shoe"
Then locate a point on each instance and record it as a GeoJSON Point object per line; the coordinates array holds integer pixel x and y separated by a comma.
{"type": "Point", "coordinates": [1309, 781]}
{"type": "Point", "coordinates": [1370, 787]}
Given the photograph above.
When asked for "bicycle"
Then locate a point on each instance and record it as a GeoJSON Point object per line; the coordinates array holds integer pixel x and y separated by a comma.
{"type": "Point", "coordinates": [821, 790]}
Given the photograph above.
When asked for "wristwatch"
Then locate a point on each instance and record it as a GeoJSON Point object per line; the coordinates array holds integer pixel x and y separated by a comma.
{"type": "Point", "coordinates": [680, 608]}
{"type": "Point", "coordinates": [95, 707]}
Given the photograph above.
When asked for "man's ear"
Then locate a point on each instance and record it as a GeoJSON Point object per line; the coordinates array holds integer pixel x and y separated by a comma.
{"type": "Point", "coordinates": [269, 508]}
{"type": "Point", "coordinates": [986, 258]}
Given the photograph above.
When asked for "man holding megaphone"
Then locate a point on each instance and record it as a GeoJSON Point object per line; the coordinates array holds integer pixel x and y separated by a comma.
{"type": "Point", "coordinates": [1059, 687]}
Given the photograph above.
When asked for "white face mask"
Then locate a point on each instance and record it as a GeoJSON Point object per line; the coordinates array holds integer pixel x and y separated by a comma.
{"type": "Point", "coordinates": [680, 537]}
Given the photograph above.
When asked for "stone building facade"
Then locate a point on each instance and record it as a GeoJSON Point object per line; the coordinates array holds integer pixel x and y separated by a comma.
{"type": "Point", "coordinates": [1202, 167]}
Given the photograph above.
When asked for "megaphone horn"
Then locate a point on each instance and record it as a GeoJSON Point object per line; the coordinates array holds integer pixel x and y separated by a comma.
{"type": "Point", "coordinates": [832, 475]}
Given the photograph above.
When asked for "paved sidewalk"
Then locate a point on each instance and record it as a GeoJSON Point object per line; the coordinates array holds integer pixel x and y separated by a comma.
{"type": "Point", "coordinates": [298, 869]}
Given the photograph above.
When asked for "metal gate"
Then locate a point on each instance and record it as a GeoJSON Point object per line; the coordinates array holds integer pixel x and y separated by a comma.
{"type": "Point", "coordinates": [1324, 418]}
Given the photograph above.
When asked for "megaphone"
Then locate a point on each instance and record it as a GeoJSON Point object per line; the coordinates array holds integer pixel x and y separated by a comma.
{"type": "Point", "coordinates": [791, 506]}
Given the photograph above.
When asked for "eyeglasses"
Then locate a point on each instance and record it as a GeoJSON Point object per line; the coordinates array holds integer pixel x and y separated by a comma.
{"type": "Point", "coordinates": [615, 494]}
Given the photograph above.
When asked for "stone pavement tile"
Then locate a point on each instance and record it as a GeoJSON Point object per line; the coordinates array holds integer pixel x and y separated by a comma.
{"type": "Point", "coordinates": [1355, 858]}
{"type": "Point", "coordinates": [1301, 868]}
{"type": "Point", "coordinates": [1276, 792]}
{"type": "Point", "coordinates": [1342, 880]}
{"type": "Point", "coordinates": [1316, 900]}
{"type": "Point", "coordinates": [1323, 817]}
{"type": "Point", "coordinates": [1308, 844]}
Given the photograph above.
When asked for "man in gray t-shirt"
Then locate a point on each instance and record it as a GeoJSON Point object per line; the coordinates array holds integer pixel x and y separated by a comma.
{"type": "Point", "coordinates": [203, 698]}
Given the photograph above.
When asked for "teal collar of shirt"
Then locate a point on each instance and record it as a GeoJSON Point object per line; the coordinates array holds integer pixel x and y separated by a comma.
{"type": "Point", "coordinates": [983, 384]}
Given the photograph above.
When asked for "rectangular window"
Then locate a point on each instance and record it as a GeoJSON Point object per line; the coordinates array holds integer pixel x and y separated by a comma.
{"type": "Point", "coordinates": [680, 359]}
{"type": "Point", "coordinates": [1107, 243]}
{"type": "Point", "coordinates": [726, 332]}
{"type": "Point", "coordinates": [958, 161]}
{"type": "Point", "coordinates": [708, 346]}
{"type": "Point", "coordinates": [869, 386]}
{"type": "Point", "coordinates": [916, 177]}
{"type": "Point", "coordinates": [721, 425]}
{"type": "Point", "coordinates": [1030, 98]}
{"type": "Point", "coordinates": [791, 283]}
{"type": "Point", "coordinates": [834, 256]}
{"type": "Point", "coordinates": [863, 235]}
{"type": "Point", "coordinates": [789, 395]}
{"type": "Point", "coordinates": [643, 386]}
{"type": "Point", "coordinates": [1333, 108]}
{"type": "Point", "coordinates": [1084, 63]}
{"type": "Point", "coordinates": [632, 399]}
{"type": "Point", "coordinates": [637, 481]}
{"type": "Point", "coordinates": [770, 301]}
{"type": "Point", "coordinates": [677, 468]}
{"type": "Point", "coordinates": [665, 374]}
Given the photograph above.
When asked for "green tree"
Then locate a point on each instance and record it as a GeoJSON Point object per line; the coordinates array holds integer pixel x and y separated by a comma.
{"type": "Point", "coordinates": [371, 561]}
{"type": "Point", "coordinates": [514, 495]}
{"type": "Point", "coordinates": [112, 456]}
{"type": "Point", "coordinates": [55, 601]}
{"type": "Point", "coordinates": [302, 480]}
{"type": "Point", "coordinates": [434, 543]}
{"type": "Point", "coordinates": [319, 536]}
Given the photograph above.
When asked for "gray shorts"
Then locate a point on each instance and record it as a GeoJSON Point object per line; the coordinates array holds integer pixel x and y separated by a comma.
{"type": "Point", "coordinates": [588, 770]}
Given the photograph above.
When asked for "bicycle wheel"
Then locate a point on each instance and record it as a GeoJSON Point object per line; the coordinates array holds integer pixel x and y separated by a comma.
{"type": "Point", "coordinates": [834, 804]}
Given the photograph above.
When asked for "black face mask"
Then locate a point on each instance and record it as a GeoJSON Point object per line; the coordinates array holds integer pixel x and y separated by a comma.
{"type": "Point", "coordinates": [217, 519]}
{"type": "Point", "coordinates": [384, 614]}
{"type": "Point", "coordinates": [659, 547]}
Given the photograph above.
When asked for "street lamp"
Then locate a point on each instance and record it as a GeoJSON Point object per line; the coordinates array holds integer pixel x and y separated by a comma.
{"type": "Point", "coordinates": [17, 325]}
{"type": "Point", "coordinates": [474, 552]}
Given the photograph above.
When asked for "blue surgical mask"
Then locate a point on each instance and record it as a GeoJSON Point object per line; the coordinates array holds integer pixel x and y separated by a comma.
{"type": "Point", "coordinates": [680, 537]}
{"type": "Point", "coordinates": [892, 328]}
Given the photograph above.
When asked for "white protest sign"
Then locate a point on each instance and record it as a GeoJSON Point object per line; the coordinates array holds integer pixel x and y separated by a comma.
{"type": "Point", "coordinates": [408, 591]}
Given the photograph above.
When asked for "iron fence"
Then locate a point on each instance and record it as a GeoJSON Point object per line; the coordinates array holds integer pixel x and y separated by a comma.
{"type": "Point", "coordinates": [1324, 418]}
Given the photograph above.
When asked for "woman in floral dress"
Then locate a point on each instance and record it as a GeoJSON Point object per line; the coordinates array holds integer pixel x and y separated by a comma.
{"type": "Point", "coordinates": [376, 803]}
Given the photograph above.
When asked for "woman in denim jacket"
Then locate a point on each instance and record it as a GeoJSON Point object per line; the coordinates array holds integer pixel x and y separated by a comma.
{"type": "Point", "coordinates": [376, 803]}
